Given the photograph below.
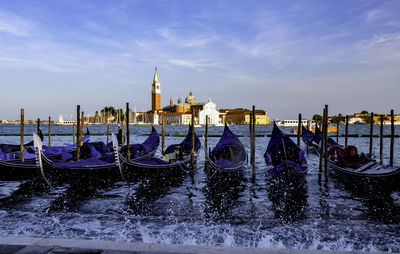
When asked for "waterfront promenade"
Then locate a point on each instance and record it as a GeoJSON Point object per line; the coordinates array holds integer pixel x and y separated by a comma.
{"type": "Point", "coordinates": [31, 245]}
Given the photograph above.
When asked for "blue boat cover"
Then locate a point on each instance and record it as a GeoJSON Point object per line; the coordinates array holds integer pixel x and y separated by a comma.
{"type": "Point", "coordinates": [54, 150]}
{"type": "Point", "coordinates": [229, 151]}
{"type": "Point", "coordinates": [8, 148]}
{"type": "Point", "coordinates": [91, 154]}
{"type": "Point", "coordinates": [275, 154]}
{"type": "Point", "coordinates": [332, 142]}
{"type": "Point", "coordinates": [306, 135]}
{"type": "Point", "coordinates": [90, 162]}
{"type": "Point", "coordinates": [28, 154]}
{"type": "Point", "coordinates": [186, 145]}
{"type": "Point", "coordinates": [138, 150]}
{"type": "Point", "coordinates": [317, 135]}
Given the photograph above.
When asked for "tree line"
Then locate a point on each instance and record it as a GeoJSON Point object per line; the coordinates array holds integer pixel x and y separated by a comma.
{"type": "Point", "coordinates": [365, 116]}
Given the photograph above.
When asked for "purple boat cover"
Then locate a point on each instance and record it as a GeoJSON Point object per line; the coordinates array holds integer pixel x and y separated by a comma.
{"type": "Point", "coordinates": [54, 150]}
{"type": "Point", "coordinates": [186, 145]}
{"type": "Point", "coordinates": [229, 148]}
{"type": "Point", "coordinates": [275, 154]}
{"type": "Point", "coordinates": [28, 154]}
{"type": "Point", "coordinates": [332, 142]}
{"type": "Point", "coordinates": [8, 148]}
{"type": "Point", "coordinates": [91, 154]}
{"type": "Point", "coordinates": [306, 135]}
{"type": "Point", "coordinates": [90, 162]}
{"type": "Point", "coordinates": [317, 135]}
{"type": "Point", "coordinates": [138, 150]}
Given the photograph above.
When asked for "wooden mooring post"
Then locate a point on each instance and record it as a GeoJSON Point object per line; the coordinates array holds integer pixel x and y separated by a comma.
{"type": "Point", "coordinates": [205, 139]}
{"type": "Point", "coordinates": [22, 134]}
{"type": "Point", "coordinates": [108, 130]}
{"type": "Point", "coordinates": [78, 130]}
{"type": "Point", "coordinates": [391, 136]}
{"type": "Point", "coordinates": [381, 142]}
{"type": "Point", "coordinates": [299, 130]}
{"type": "Point", "coordinates": [123, 132]}
{"type": "Point", "coordinates": [73, 133]}
{"type": "Point", "coordinates": [192, 151]}
{"type": "Point", "coordinates": [371, 132]}
{"type": "Point", "coordinates": [322, 147]}
{"type": "Point", "coordinates": [346, 133]}
{"type": "Point", "coordinates": [308, 128]}
{"type": "Point", "coordinates": [251, 135]}
{"type": "Point", "coordinates": [162, 135]}
{"type": "Point", "coordinates": [326, 143]}
{"type": "Point", "coordinates": [82, 123]}
{"type": "Point", "coordinates": [38, 126]}
{"type": "Point", "coordinates": [128, 143]}
{"type": "Point", "coordinates": [337, 129]}
{"type": "Point", "coordinates": [49, 130]}
{"type": "Point", "coordinates": [253, 143]}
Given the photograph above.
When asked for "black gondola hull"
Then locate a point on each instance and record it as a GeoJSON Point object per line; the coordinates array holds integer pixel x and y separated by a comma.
{"type": "Point", "coordinates": [365, 183]}
{"type": "Point", "coordinates": [213, 171]}
{"type": "Point", "coordinates": [84, 175]}
{"type": "Point", "coordinates": [136, 170]}
{"type": "Point", "coordinates": [14, 171]}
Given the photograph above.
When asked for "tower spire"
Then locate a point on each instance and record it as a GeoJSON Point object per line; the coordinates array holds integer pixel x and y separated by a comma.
{"type": "Point", "coordinates": [155, 79]}
{"type": "Point", "coordinates": [155, 93]}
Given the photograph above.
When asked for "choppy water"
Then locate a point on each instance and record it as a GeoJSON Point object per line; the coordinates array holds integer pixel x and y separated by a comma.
{"type": "Point", "coordinates": [192, 210]}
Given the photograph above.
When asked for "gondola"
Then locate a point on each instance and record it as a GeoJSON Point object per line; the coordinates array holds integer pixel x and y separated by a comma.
{"type": "Point", "coordinates": [360, 172]}
{"type": "Point", "coordinates": [287, 160]}
{"type": "Point", "coordinates": [98, 164]}
{"type": "Point", "coordinates": [175, 160]}
{"type": "Point", "coordinates": [228, 157]}
{"type": "Point", "coordinates": [12, 168]}
{"type": "Point", "coordinates": [143, 151]}
{"type": "Point", "coordinates": [311, 139]}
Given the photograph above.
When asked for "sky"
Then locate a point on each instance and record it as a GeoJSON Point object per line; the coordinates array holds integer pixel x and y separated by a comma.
{"type": "Point", "coordinates": [286, 57]}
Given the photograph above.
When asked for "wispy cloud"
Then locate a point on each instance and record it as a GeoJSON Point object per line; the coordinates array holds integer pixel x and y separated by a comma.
{"type": "Point", "coordinates": [198, 65]}
{"type": "Point", "coordinates": [186, 39]}
{"type": "Point", "coordinates": [14, 25]}
{"type": "Point", "coordinates": [272, 47]}
{"type": "Point", "coordinates": [94, 26]}
{"type": "Point", "coordinates": [374, 15]}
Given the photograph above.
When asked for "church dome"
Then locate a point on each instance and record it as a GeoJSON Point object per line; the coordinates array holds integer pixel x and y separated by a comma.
{"type": "Point", "coordinates": [179, 107]}
{"type": "Point", "coordinates": [191, 99]}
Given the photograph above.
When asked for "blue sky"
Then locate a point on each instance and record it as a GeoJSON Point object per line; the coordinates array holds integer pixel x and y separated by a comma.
{"type": "Point", "coordinates": [285, 57]}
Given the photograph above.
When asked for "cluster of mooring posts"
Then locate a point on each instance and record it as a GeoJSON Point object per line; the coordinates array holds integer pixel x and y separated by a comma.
{"type": "Point", "coordinates": [323, 162]}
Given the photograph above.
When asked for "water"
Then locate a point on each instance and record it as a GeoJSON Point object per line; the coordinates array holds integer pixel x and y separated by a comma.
{"type": "Point", "coordinates": [195, 211]}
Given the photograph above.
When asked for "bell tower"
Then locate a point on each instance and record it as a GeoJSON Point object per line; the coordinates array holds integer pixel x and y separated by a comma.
{"type": "Point", "coordinates": [155, 93]}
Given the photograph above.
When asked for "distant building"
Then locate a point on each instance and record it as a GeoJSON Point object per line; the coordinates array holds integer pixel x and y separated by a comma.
{"type": "Point", "coordinates": [203, 109]}
{"type": "Point", "coordinates": [180, 113]}
{"type": "Point", "coordinates": [386, 119]}
{"type": "Point", "coordinates": [353, 120]}
{"type": "Point", "coordinates": [364, 118]}
{"type": "Point", "coordinates": [177, 118]}
{"type": "Point", "coordinates": [155, 93]}
{"type": "Point", "coordinates": [242, 116]}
